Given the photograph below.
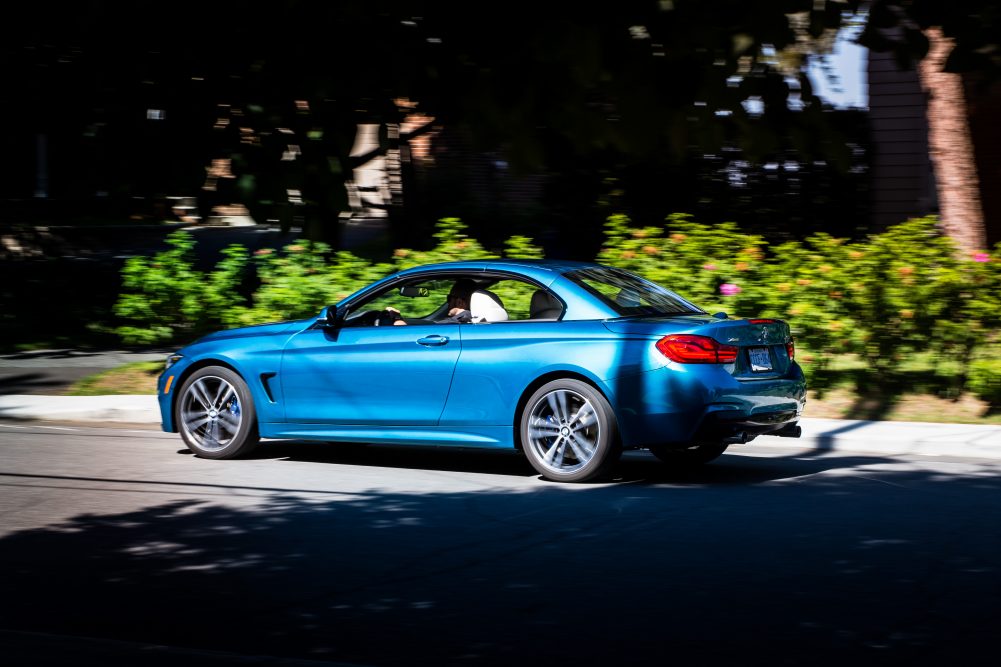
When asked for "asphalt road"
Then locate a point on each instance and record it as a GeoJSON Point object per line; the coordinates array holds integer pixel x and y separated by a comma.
{"type": "Point", "coordinates": [118, 547]}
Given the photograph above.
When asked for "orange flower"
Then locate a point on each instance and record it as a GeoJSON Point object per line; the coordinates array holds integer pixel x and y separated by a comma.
{"type": "Point", "coordinates": [905, 270]}
{"type": "Point", "coordinates": [804, 281]}
{"type": "Point", "coordinates": [650, 250]}
{"type": "Point", "coordinates": [825, 268]}
{"type": "Point", "coordinates": [678, 237]}
{"type": "Point", "coordinates": [639, 233]}
{"type": "Point", "coordinates": [628, 254]}
{"type": "Point", "coordinates": [741, 266]}
{"type": "Point", "coordinates": [907, 314]}
{"type": "Point", "coordinates": [856, 254]}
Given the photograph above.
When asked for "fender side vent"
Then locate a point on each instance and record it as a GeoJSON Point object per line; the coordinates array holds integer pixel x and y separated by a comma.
{"type": "Point", "coordinates": [265, 384]}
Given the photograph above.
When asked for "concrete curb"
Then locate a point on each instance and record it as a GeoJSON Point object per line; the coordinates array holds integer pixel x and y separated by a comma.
{"type": "Point", "coordinates": [896, 438]}
{"type": "Point", "coordinates": [882, 437]}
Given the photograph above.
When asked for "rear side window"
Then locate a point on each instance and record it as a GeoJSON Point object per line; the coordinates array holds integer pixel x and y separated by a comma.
{"type": "Point", "coordinates": [516, 297]}
{"type": "Point", "coordinates": [629, 294]}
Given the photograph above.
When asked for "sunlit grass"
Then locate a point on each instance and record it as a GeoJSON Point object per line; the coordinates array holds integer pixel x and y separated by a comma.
{"type": "Point", "coordinates": [135, 378]}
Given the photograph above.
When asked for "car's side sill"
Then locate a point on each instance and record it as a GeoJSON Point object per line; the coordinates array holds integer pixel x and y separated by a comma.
{"type": "Point", "coordinates": [481, 436]}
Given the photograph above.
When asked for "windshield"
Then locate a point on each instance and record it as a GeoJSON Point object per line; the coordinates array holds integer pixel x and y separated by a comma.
{"type": "Point", "coordinates": [628, 294]}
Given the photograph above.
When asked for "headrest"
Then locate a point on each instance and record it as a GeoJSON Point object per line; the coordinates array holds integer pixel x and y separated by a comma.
{"type": "Point", "coordinates": [485, 306]}
{"type": "Point", "coordinates": [544, 305]}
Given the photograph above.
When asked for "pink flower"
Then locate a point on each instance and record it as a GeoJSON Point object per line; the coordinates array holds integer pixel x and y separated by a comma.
{"type": "Point", "coordinates": [709, 267]}
{"type": "Point", "coordinates": [729, 289]}
{"type": "Point", "coordinates": [981, 257]}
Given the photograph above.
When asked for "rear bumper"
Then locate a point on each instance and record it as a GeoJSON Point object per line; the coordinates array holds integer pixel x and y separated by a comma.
{"type": "Point", "coordinates": [678, 406]}
{"type": "Point", "coordinates": [734, 426]}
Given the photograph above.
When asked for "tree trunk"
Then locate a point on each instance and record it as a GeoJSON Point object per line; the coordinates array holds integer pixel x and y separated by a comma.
{"type": "Point", "coordinates": [952, 148]}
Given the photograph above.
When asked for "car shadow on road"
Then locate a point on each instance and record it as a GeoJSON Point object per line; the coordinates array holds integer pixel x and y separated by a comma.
{"type": "Point", "coordinates": [635, 467]}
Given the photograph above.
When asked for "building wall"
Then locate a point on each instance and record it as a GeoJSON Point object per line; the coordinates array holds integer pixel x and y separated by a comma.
{"type": "Point", "coordinates": [984, 108]}
{"type": "Point", "coordinates": [903, 184]}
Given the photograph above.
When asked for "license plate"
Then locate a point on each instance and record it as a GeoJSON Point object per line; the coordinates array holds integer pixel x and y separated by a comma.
{"type": "Point", "coordinates": [760, 359]}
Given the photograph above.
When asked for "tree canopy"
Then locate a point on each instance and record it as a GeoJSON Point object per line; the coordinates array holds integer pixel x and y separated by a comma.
{"type": "Point", "coordinates": [143, 97]}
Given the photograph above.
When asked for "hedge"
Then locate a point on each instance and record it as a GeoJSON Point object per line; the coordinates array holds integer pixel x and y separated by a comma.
{"type": "Point", "coordinates": [904, 292]}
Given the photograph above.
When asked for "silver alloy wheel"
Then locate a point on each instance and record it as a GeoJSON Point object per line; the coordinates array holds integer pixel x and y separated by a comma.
{"type": "Point", "coordinates": [563, 430]}
{"type": "Point", "coordinates": [211, 412]}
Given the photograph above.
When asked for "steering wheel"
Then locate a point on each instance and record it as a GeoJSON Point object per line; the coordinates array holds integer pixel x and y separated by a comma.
{"type": "Point", "coordinates": [386, 318]}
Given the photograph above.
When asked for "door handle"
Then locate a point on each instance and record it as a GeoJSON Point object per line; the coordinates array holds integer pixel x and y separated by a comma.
{"type": "Point", "coordinates": [432, 340]}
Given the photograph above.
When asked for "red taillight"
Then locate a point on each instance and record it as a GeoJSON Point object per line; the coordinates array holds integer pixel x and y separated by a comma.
{"type": "Point", "coordinates": [689, 349]}
{"type": "Point", "coordinates": [762, 321]}
{"type": "Point", "coordinates": [791, 349]}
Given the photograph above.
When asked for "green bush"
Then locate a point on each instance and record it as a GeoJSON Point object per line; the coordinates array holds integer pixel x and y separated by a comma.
{"type": "Point", "coordinates": [165, 298]}
{"type": "Point", "coordinates": [303, 278]}
{"type": "Point", "coordinates": [895, 294]}
{"type": "Point", "coordinates": [880, 301]}
{"type": "Point", "coordinates": [985, 380]}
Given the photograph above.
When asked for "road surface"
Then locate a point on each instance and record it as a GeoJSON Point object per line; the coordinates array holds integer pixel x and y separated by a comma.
{"type": "Point", "coordinates": [118, 547]}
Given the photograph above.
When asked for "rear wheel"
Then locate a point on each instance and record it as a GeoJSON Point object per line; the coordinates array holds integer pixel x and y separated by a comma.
{"type": "Point", "coordinates": [568, 431]}
{"type": "Point", "coordinates": [215, 414]}
{"type": "Point", "coordinates": [697, 454]}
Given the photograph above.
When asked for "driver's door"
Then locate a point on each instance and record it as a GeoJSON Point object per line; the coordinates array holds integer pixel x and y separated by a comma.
{"type": "Point", "coordinates": [375, 375]}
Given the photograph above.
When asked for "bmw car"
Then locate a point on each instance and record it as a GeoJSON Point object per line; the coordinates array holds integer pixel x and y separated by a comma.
{"type": "Point", "coordinates": [569, 362]}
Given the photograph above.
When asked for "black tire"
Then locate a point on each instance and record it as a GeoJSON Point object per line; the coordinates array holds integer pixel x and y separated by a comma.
{"type": "Point", "coordinates": [215, 414]}
{"type": "Point", "coordinates": [561, 438]}
{"type": "Point", "coordinates": [694, 455]}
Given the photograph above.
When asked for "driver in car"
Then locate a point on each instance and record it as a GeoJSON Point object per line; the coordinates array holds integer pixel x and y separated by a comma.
{"type": "Point", "coordinates": [458, 304]}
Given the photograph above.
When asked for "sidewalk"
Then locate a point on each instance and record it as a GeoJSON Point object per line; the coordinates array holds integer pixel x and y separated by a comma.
{"type": "Point", "coordinates": [891, 438]}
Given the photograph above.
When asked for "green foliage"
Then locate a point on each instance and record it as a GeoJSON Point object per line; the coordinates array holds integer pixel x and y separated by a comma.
{"type": "Point", "coordinates": [165, 298]}
{"type": "Point", "coordinates": [522, 247]}
{"type": "Point", "coordinates": [985, 380]}
{"type": "Point", "coordinates": [453, 245]}
{"type": "Point", "coordinates": [303, 278]}
{"type": "Point", "coordinates": [882, 301]}
{"type": "Point", "coordinates": [903, 292]}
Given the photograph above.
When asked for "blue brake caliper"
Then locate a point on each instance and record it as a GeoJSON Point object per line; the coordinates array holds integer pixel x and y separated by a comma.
{"type": "Point", "coordinates": [234, 407]}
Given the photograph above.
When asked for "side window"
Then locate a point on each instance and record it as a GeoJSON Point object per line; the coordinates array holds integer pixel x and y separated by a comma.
{"type": "Point", "coordinates": [414, 301]}
{"type": "Point", "coordinates": [516, 296]}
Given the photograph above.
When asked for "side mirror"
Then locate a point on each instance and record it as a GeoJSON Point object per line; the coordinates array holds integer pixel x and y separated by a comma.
{"type": "Point", "coordinates": [329, 317]}
{"type": "Point", "coordinates": [721, 316]}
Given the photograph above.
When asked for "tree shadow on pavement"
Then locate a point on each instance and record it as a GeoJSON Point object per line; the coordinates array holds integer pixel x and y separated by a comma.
{"type": "Point", "coordinates": [749, 561]}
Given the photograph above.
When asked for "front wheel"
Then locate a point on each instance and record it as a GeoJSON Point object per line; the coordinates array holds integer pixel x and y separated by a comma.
{"type": "Point", "coordinates": [568, 431]}
{"type": "Point", "coordinates": [215, 414]}
{"type": "Point", "coordinates": [698, 454]}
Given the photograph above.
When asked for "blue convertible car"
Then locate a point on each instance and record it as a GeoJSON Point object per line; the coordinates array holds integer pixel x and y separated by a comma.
{"type": "Point", "coordinates": [570, 362]}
